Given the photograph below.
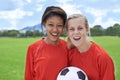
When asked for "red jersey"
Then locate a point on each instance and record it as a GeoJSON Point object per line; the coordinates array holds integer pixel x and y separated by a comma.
{"type": "Point", "coordinates": [95, 62]}
{"type": "Point", "coordinates": [45, 61]}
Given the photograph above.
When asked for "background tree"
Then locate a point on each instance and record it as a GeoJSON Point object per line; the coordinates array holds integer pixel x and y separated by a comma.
{"type": "Point", "coordinates": [13, 33]}
{"type": "Point", "coordinates": [97, 30]}
{"type": "Point", "coordinates": [116, 29]}
{"type": "Point", "coordinates": [29, 33]}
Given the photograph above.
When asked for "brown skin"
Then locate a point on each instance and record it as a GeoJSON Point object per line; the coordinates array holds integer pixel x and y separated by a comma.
{"type": "Point", "coordinates": [54, 27]}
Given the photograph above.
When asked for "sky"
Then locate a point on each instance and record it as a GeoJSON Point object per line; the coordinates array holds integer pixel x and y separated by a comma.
{"type": "Point", "coordinates": [17, 14]}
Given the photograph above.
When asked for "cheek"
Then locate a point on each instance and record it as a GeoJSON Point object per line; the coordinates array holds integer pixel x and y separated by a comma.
{"type": "Point", "coordinates": [83, 32]}
{"type": "Point", "coordinates": [60, 30]}
{"type": "Point", "coordinates": [47, 29]}
{"type": "Point", "coordinates": [69, 34]}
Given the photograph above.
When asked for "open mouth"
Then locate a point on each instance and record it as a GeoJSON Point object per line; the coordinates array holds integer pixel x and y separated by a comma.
{"type": "Point", "coordinates": [77, 38]}
{"type": "Point", "coordinates": [54, 34]}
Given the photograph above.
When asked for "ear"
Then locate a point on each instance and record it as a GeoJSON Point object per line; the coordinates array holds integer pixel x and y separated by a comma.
{"type": "Point", "coordinates": [43, 24]}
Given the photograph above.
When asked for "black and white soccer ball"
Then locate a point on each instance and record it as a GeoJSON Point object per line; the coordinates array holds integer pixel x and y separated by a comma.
{"type": "Point", "coordinates": [72, 73]}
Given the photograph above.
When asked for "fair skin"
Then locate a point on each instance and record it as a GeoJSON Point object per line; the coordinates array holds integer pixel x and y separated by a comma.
{"type": "Point", "coordinates": [77, 33]}
{"type": "Point", "coordinates": [54, 27]}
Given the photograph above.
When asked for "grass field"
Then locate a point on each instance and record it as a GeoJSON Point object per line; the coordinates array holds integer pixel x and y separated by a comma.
{"type": "Point", "coordinates": [13, 53]}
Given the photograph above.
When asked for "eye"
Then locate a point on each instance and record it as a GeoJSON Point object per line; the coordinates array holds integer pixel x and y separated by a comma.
{"type": "Point", "coordinates": [71, 29]}
{"type": "Point", "coordinates": [80, 28]}
{"type": "Point", "coordinates": [60, 26]}
{"type": "Point", "coordinates": [50, 25]}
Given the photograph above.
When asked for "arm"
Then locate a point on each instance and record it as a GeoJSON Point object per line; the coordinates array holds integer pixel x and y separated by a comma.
{"type": "Point", "coordinates": [29, 65]}
{"type": "Point", "coordinates": [106, 68]}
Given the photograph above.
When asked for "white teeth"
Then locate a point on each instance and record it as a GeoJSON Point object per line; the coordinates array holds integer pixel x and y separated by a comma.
{"type": "Point", "coordinates": [54, 34]}
{"type": "Point", "coordinates": [76, 37]}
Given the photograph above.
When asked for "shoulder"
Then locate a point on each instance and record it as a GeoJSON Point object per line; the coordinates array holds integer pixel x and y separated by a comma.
{"type": "Point", "coordinates": [63, 43]}
{"type": "Point", "coordinates": [98, 49]}
{"type": "Point", "coordinates": [101, 53]}
{"type": "Point", "coordinates": [36, 44]}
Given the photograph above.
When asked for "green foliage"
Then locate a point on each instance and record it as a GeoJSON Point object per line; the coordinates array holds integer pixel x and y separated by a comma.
{"type": "Point", "coordinates": [13, 33]}
{"type": "Point", "coordinates": [97, 30]}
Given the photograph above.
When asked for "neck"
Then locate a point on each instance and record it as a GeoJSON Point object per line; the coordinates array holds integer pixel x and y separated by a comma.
{"type": "Point", "coordinates": [84, 47]}
{"type": "Point", "coordinates": [48, 41]}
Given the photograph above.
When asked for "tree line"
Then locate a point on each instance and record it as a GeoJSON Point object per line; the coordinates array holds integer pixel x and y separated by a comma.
{"type": "Point", "coordinates": [96, 30]}
{"type": "Point", "coordinates": [114, 30]}
{"type": "Point", "coordinates": [17, 33]}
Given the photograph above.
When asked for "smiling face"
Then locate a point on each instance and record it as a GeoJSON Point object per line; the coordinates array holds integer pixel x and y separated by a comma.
{"type": "Point", "coordinates": [54, 26]}
{"type": "Point", "coordinates": [77, 31]}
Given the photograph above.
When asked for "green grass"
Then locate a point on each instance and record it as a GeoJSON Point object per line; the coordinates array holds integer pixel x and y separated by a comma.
{"type": "Point", "coordinates": [12, 57]}
{"type": "Point", "coordinates": [13, 54]}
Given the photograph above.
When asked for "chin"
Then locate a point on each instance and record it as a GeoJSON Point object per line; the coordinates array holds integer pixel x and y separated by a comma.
{"type": "Point", "coordinates": [76, 45]}
{"type": "Point", "coordinates": [54, 39]}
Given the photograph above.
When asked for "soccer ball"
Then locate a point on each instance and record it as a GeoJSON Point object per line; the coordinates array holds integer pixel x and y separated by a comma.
{"type": "Point", "coordinates": [72, 73]}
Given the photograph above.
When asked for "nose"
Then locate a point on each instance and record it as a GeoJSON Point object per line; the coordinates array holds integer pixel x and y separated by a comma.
{"type": "Point", "coordinates": [76, 31]}
{"type": "Point", "coordinates": [55, 28]}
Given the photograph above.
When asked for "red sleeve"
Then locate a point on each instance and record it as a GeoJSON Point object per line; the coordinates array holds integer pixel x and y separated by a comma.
{"type": "Point", "coordinates": [29, 65]}
{"type": "Point", "coordinates": [106, 67]}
